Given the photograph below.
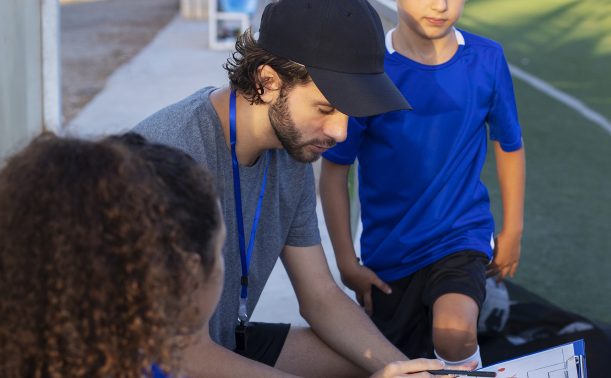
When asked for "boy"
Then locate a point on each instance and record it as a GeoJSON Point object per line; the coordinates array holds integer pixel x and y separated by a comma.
{"type": "Point", "coordinates": [427, 226]}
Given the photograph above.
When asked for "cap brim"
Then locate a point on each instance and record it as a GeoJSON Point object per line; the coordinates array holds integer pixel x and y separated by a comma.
{"type": "Point", "coordinates": [359, 95]}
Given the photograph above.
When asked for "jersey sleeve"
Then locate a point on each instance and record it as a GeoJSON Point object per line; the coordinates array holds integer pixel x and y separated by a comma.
{"type": "Point", "coordinates": [346, 152]}
{"type": "Point", "coordinates": [503, 117]}
{"type": "Point", "coordinates": [304, 228]}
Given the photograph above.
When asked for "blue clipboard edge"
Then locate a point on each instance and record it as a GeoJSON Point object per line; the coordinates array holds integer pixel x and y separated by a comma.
{"type": "Point", "coordinates": [579, 346]}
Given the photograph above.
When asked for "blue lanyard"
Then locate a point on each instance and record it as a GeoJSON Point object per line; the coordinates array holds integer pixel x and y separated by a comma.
{"type": "Point", "coordinates": [245, 255]}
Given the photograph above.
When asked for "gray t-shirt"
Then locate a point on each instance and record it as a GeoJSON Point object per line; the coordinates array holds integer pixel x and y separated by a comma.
{"type": "Point", "coordinates": [288, 213]}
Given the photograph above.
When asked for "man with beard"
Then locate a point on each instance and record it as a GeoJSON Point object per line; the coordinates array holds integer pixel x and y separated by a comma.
{"type": "Point", "coordinates": [291, 91]}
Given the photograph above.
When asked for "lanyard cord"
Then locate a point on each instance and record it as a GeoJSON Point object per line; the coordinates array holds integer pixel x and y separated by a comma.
{"type": "Point", "coordinates": [245, 255]}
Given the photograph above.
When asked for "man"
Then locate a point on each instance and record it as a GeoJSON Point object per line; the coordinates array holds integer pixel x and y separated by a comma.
{"type": "Point", "coordinates": [291, 91]}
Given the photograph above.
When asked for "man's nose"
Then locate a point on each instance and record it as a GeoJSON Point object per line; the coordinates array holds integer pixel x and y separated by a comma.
{"type": "Point", "coordinates": [336, 127]}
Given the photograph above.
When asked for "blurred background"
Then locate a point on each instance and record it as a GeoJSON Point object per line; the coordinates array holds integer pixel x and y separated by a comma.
{"type": "Point", "coordinates": [63, 60]}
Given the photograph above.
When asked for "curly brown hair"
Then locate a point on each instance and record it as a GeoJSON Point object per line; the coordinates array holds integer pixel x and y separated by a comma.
{"type": "Point", "coordinates": [93, 254]}
{"type": "Point", "coordinates": [243, 69]}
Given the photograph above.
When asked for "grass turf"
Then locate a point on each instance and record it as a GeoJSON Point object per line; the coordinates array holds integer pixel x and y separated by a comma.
{"type": "Point", "coordinates": [567, 239]}
{"type": "Point", "coordinates": [564, 42]}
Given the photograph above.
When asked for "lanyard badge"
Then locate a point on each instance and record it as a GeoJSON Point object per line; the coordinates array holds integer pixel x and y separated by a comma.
{"type": "Point", "coordinates": [245, 254]}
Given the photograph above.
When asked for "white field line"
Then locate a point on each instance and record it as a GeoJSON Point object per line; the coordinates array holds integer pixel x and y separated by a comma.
{"type": "Point", "coordinates": [564, 98]}
{"type": "Point", "coordinates": [388, 8]}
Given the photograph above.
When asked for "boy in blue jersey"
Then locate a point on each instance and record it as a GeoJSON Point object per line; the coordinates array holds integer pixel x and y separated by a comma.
{"type": "Point", "coordinates": [427, 227]}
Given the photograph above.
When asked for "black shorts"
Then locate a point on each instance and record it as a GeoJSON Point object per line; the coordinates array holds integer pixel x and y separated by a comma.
{"type": "Point", "coordinates": [405, 315]}
{"type": "Point", "coordinates": [265, 341]}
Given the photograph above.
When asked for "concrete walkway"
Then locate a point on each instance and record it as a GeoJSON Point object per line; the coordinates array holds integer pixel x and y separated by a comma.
{"type": "Point", "coordinates": [174, 65]}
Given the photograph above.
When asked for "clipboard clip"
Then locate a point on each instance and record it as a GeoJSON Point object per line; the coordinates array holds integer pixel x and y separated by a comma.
{"type": "Point", "coordinates": [580, 362]}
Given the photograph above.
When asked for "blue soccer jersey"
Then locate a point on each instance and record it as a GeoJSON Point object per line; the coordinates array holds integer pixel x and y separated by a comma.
{"type": "Point", "coordinates": [419, 171]}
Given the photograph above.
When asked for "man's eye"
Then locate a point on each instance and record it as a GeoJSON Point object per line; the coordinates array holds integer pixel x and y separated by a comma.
{"type": "Point", "coordinates": [326, 111]}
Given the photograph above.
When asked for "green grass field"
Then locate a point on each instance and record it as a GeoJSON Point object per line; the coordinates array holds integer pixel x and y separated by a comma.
{"type": "Point", "coordinates": [566, 256]}
{"type": "Point", "coordinates": [564, 42]}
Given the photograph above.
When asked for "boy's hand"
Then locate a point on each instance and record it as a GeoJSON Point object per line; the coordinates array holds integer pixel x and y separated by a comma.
{"type": "Point", "coordinates": [507, 249]}
{"type": "Point", "coordinates": [359, 279]}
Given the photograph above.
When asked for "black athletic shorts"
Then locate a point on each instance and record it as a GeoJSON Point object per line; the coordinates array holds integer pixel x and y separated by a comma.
{"type": "Point", "coordinates": [265, 341]}
{"type": "Point", "coordinates": [405, 315]}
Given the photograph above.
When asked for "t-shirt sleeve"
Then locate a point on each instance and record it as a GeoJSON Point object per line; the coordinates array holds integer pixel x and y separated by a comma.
{"type": "Point", "coordinates": [304, 228]}
{"type": "Point", "coordinates": [346, 152]}
{"type": "Point", "coordinates": [503, 117]}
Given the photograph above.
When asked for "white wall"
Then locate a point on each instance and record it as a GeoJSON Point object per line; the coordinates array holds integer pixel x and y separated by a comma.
{"type": "Point", "coordinates": [21, 72]}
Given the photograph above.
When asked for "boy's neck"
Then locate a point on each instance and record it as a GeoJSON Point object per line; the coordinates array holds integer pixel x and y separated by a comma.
{"type": "Point", "coordinates": [422, 49]}
{"type": "Point", "coordinates": [254, 133]}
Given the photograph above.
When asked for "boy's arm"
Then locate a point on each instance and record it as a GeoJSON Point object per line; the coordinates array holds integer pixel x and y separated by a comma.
{"type": "Point", "coordinates": [336, 208]}
{"type": "Point", "coordinates": [511, 172]}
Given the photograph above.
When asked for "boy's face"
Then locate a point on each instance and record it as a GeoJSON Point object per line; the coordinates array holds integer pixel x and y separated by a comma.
{"type": "Point", "coordinates": [431, 19]}
{"type": "Point", "coordinates": [305, 123]}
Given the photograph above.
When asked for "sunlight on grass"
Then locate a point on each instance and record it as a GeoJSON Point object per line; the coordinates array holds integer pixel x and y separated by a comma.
{"type": "Point", "coordinates": [604, 46]}
{"type": "Point", "coordinates": [545, 21]}
{"type": "Point", "coordinates": [564, 42]}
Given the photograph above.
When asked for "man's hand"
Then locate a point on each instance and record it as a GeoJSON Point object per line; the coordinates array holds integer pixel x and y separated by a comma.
{"type": "Point", "coordinates": [413, 368]}
{"type": "Point", "coordinates": [417, 368]}
{"type": "Point", "coordinates": [507, 247]}
{"type": "Point", "coordinates": [359, 279]}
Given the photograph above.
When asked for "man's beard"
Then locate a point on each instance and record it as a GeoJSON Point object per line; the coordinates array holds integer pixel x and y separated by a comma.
{"type": "Point", "coordinates": [288, 134]}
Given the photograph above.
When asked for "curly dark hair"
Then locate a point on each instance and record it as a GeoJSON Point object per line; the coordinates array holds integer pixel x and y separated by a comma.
{"type": "Point", "coordinates": [243, 69]}
{"type": "Point", "coordinates": [94, 246]}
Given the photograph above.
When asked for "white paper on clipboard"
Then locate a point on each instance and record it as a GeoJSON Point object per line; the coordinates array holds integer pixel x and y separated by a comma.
{"type": "Point", "coordinates": [564, 361]}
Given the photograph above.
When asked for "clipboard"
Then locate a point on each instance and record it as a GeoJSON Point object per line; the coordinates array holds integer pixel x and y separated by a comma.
{"type": "Point", "coordinates": [563, 361]}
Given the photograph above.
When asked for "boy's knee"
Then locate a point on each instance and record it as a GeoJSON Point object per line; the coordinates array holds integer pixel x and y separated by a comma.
{"type": "Point", "coordinates": [455, 326]}
{"type": "Point", "coordinates": [454, 344]}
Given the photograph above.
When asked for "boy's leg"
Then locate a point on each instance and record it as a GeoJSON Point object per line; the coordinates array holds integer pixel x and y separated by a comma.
{"type": "Point", "coordinates": [306, 355]}
{"type": "Point", "coordinates": [456, 291]}
{"type": "Point", "coordinates": [403, 317]}
{"type": "Point", "coordinates": [455, 327]}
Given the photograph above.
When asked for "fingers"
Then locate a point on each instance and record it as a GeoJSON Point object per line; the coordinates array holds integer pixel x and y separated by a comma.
{"type": "Point", "coordinates": [417, 368]}
{"type": "Point", "coordinates": [419, 365]}
{"type": "Point", "coordinates": [514, 267]}
{"type": "Point", "coordinates": [383, 286]}
{"type": "Point", "coordinates": [492, 270]}
{"type": "Point", "coordinates": [470, 366]}
{"type": "Point", "coordinates": [368, 303]}
{"type": "Point", "coordinates": [359, 298]}
{"type": "Point", "coordinates": [508, 270]}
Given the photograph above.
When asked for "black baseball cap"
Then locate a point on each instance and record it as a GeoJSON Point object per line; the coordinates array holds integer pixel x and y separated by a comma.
{"type": "Point", "coordinates": [341, 43]}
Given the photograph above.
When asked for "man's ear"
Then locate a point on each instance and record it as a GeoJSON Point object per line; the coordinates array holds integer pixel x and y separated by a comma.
{"type": "Point", "coordinates": [270, 81]}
